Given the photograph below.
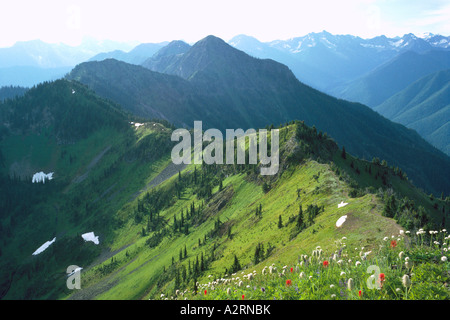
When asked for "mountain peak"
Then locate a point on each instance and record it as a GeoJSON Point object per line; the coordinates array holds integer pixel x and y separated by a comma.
{"type": "Point", "coordinates": [211, 41]}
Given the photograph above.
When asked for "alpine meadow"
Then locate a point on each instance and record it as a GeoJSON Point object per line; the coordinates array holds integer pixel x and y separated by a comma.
{"type": "Point", "coordinates": [313, 168]}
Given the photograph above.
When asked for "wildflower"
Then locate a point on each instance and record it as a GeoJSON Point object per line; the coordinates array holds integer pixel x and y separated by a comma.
{"type": "Point", "coordinates": [360, 293]}
{"type": "Point", "coordinates": [270, 269]}
{"type": "Point", "coordinates": [288, 282]}
{"type": "Point", "coordinates": [292, 269]}
{"type": "Point", "coordinates": [205, 292]}
{"type": "Point", "coordinates": [240, 284]}
{"type": "Point", "coordinates": [342, 273]}
{"type": "Point", "coordinates": [401, 254]}
{"type": "Point", "coordinates": [228, 291]}
{"type": "Point", "coordinates": [382, 278]}
{"type": "Point", "coordinates": [357, 263]}
{"type": "Point", "coordinates": [250, 276]}
{"type": "Point", "coordinates": [350, 284]}
{"type": "Point", "coordinates": [398, 290]}
{"type": "Point", "coordinates": [177, 292]}
{"type": "Point", "coordinates": [402, 232]}
{"type": "Point", "coordinates": [333, 296]}
{"type": "Point", "coordinates": [331, 286]}
{"type": "Point", "coordinates": [444, 259]}
{"type": "Point", "coordinates": [406, 281]}
{"type": "Point", "coordinates": [393, 244]}
{"type": "Point", "coordinates": [243, 297]}
{"type": "Point", "coordinates": [263, 290]}
{"type": "Point", "coordinates": [301, 275]}
{"type": "Point", "coordinates": [385, 239]}
{"type": "Point", "coordinates": [408, 264]}
{"type": "Point", "coordinates": [325, 263]}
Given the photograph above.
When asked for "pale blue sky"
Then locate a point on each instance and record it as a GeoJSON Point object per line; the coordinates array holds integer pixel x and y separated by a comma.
{"type": "Point", "coordinates": [190, 20]}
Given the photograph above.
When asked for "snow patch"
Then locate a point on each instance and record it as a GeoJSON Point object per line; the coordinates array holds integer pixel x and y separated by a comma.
{"type": "Point", "coordinates": [44, 247]}
{"type": "Point", "coordinates": [90, 236]}
{"type": "Point", "coordinates": [341, 221]}
{"type": "Point", "coordinates": [396, 43]}
{"type": "Point", "coordinates": [137, 125]}
{"type": "Point", "coordinates": [41, 176]}
{"type": "Point", "coordinates": [342, 204]}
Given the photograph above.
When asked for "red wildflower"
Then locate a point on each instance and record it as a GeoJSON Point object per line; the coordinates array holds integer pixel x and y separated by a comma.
{"type": "Point", "coordinates": [292, 270]}
{"type": "Point", "coordinates": [382, 278]}
{"type": "Point", "coordinates": [325, 263]}
{"type": "Point", "coordinates": [360, 293]}
{"type": "Point", "coordinates": [288, 282]}
{"type": "Point", "coordinates": [243, 297]}
{"type": "Point", "coordinates": [393, 244]}
{"type": "Point", "coordinates": [205, 292]}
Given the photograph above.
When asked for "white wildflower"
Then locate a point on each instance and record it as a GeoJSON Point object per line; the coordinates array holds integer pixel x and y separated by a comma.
{"type": "Point", "coordinates": [406, 281]}
{"type": "Point", "coordinates": [350, 284]}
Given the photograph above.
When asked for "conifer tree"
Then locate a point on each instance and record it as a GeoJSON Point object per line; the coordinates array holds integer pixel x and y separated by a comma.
{"type": "Point", "coordinates": [343, 154]}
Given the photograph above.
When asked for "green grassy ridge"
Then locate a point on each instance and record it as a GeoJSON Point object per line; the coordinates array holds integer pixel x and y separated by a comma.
{"type": "Point", "coordinates": [134, 285]}
{"type": "Point", "coordinates": [137, 276]}
{"type": "Point", "coordinates": [136, 270]}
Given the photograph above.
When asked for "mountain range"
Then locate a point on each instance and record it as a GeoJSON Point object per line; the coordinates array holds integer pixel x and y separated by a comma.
{"type": "Point", "coordinates": [28, 63]}
{"type": "Point", "coordinates": [324, 61]}
{"type": "Point", "coordinates": [226, 88]}
{"type": "Point", "coordinates": [137, 55]}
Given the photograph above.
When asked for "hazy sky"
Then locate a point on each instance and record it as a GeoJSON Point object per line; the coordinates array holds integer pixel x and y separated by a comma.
{"type": "Point", "coordinates": [190, 20]}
